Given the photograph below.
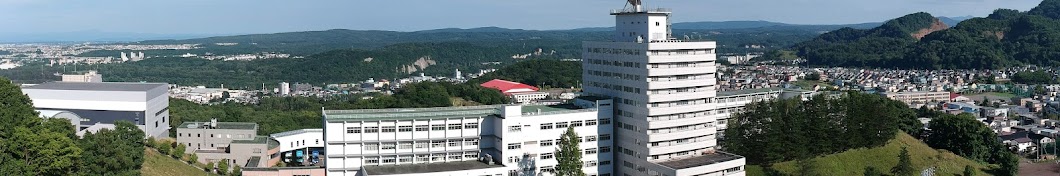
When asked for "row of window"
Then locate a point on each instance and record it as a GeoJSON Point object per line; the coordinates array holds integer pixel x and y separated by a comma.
{"type": "Point", "coordinates": [410, 128]}
{"type": "Point", "coordinates": [237, 136]}
{"type": "Point", "coordinates": [434, 157]}
{"type": "Point", "coordinates": [588, 151]}
{"type": "Point", "coordinates": [576, 123]}
{"type": "Point", "coordinates": [680, 52]}
{"type": "Point", "coordinates": [681, 64]}
{"type": "Point", "coordinates": [683, 141]}
{"type": "Point", "coordinates": [616, 87]}
{"type": "Point", "coordinates": [614, 63]}
{"type": "Point", "coordinates": [420, 144]}
{"type": "Point", "coordinates": [680, 103]}
{"type": "Point", "coordinates": [615, 51]}
{"type": "Point", "coordinates": [551, 142]}
{"type": "Point", "coordinates": [683, 128]}
{"type": "Point", "coordinates": [680, 90]}
{"type": "Point", "coordinates": [631, 77]}
{"type": "Point", "coordinates": [680, 77]}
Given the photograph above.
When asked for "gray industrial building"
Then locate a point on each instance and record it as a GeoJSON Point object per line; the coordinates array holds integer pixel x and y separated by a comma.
{"type": "Point", "coordinates": [100, 105]}
{"type": "Point", "coordinates": [237, 141]}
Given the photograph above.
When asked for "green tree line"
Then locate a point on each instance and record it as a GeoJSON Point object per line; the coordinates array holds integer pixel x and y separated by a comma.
{"type": "Point", "coordinates": [1004, 38]}
{"type": "Point", "coordinates": [30, 145]}
{"type": "Point", "coordinates": [791, 129]}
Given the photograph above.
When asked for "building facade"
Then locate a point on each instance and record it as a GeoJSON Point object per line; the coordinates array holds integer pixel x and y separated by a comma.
{"type": "Point", "coordinates": [236, 141]}
{"type": "Point", "coordinates": [664, 91]}
{"type": "Point", "coordinates": [475, 140]}
{"type": "Point", "coordinates": [90, 76]}
{"type": "Point", "coordinates": [919, 98]}
{"type": "Point", "coordinates": [103, 104]}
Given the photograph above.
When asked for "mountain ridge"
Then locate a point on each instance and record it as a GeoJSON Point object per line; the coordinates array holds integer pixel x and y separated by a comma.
{"type": "Point", "coordinates": [1004, 38]}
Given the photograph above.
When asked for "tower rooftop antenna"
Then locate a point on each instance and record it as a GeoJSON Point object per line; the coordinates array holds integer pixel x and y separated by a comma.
{"type": "Point", "coordinates": [636, 5]}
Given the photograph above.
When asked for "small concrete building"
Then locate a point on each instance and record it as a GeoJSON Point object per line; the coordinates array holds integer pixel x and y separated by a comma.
{"type": "Point", "coordinates": [214, 141]}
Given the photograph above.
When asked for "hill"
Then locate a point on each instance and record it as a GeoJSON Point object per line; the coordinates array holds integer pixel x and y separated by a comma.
{"type": "Point", "coordinates": [865, 47]}
{"type": "Point", "coordinates": [156, 164]}
{"type": "Point", "coordinates": [1004, 38]}
{"type": "Point", "coordinates": [757, 25]}
{"type": "Point", "coordinates": [853, 162]}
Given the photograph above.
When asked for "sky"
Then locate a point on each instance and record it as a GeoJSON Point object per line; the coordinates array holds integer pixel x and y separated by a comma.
{"type": "Point", "coordinates": [270, 16]}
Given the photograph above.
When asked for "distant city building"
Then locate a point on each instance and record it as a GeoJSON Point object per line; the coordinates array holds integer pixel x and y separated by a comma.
{"type": "Point", "coordinates": [89, 76]}
{"type": "Point", "coordinates": [519, 92]}
{"type": "Point", "coordinates": [664, 91]}
{"type": "Point", "coordinates": [457, 75]}
{"type": "Point", "coordinates": [918, 98]}
{"type": "Point", "coordinates": [285, 88]}
{"type": "Point", "coordinates": [103, 104]}
{"type": "Point", "coordinates": [475, 140]}
{"type": "Point", "coordinates": [132, 56]}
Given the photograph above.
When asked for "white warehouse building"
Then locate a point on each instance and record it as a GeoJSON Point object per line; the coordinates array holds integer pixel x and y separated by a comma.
{"type": "Point", "coordinates": [477, 140]}
{"type": "Point", "coordinates": [100, 105]}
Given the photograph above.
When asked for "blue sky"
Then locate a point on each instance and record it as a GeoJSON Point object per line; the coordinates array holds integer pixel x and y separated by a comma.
{"type": "Point", "coordinates": [266, 16]}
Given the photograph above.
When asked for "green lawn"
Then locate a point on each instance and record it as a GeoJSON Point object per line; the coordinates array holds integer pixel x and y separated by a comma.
{"type": "Point", "coordinates": [999, 94]}
{"type": "Point", "coordinates": [853, 162]}
{"type": "Point", "coordinates": [807, 84]}
{"type": "Point", "coordinates": [158, 164]}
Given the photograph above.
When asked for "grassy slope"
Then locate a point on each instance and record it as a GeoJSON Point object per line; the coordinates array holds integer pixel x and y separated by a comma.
{"type": "Point", "coordinates": [158, 164]}
{"type": "Point", "coordinates": [853, 162]}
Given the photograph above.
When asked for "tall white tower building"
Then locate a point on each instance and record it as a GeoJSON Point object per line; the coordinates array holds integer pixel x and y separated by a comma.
{"type": "Point", "coordinates": [664, 90]}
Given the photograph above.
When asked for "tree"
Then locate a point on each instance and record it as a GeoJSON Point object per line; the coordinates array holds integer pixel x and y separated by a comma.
{"type": "Point", "coordinates": [193, 158]}
{"type": "Point", "coordinates": [237, 171]}
{"type": "Point", "coordinates": [964, 136]}
{"type": "Point", "coordinates": [179, 151]}
{"type": "Point", "coordinates": [872, 171]}
{"type": "Point", "coordinates": [151, 142]}
{"type": "Point", "coordinates": [222, 167]}
{"type": "Point", "coordinates": [790, 129]}
{"type": "Point", "coordinates": [30, 145]}
{"type": "Point", "coordinates": [209, 167]}
{"type": "Point", "coordinates": [569, 154]}
{"type": "Point", "coordinates": [905, 165]}
{"type": "Point", "coordinates": [44, 152]}
{"type": "Point", "coordinates": [969, 171]}
{"type": "Point", "coordinates": [114, 152]}
{"type": "Point", "coordinates": [164, 147]}
{"type": "Point", "coordinates": [1009, 163]}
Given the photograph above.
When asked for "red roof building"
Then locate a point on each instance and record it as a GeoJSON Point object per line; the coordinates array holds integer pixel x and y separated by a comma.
{"type": "Point", "coordinates": [508, 87]}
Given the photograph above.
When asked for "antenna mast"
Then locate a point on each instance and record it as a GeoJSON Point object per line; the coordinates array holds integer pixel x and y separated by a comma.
{"type": "Point", "coordinates": [636, 5]}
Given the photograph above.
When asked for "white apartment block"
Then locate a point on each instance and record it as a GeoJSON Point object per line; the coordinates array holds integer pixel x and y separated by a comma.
{"type": "Point", "coordinates": [664, 91]}
{"type": "Point", "coordinates": [90, 76]}
{"type": "Point", "coordinates": [527, 97]}
{"type": "Point", "coordinates": [913, 98]}
{"type": "Point", "coordinates": [477, 140]}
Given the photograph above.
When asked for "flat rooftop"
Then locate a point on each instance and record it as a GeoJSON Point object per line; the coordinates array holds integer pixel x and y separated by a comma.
{"type": "Point", "coordinates": [256, 140]}
{"type": "Point", "coordinates": [747, 92]}
{"type": "Point", "coordinates": [220, 125]}
{"type": "Point", "coordinates": [297, 132]}
{"type": "Point", "coordinates": [427, 168]}
{"type": "Point", "coordinates": [105, 86]}
{"type": "Point", "coordinates": [549, 108]}
{"type": "Point", "coordinates": [701, 160]}
{"type": "Point", "coordinates": [411, 113]}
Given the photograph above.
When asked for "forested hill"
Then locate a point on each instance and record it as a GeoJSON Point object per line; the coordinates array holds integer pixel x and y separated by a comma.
{"type": "Point", "coordinates": [1003, 39]}
{"type": "Point", "coordinates": [312, 42]}
{"type": "Point", "coordinates": [867, 47]}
